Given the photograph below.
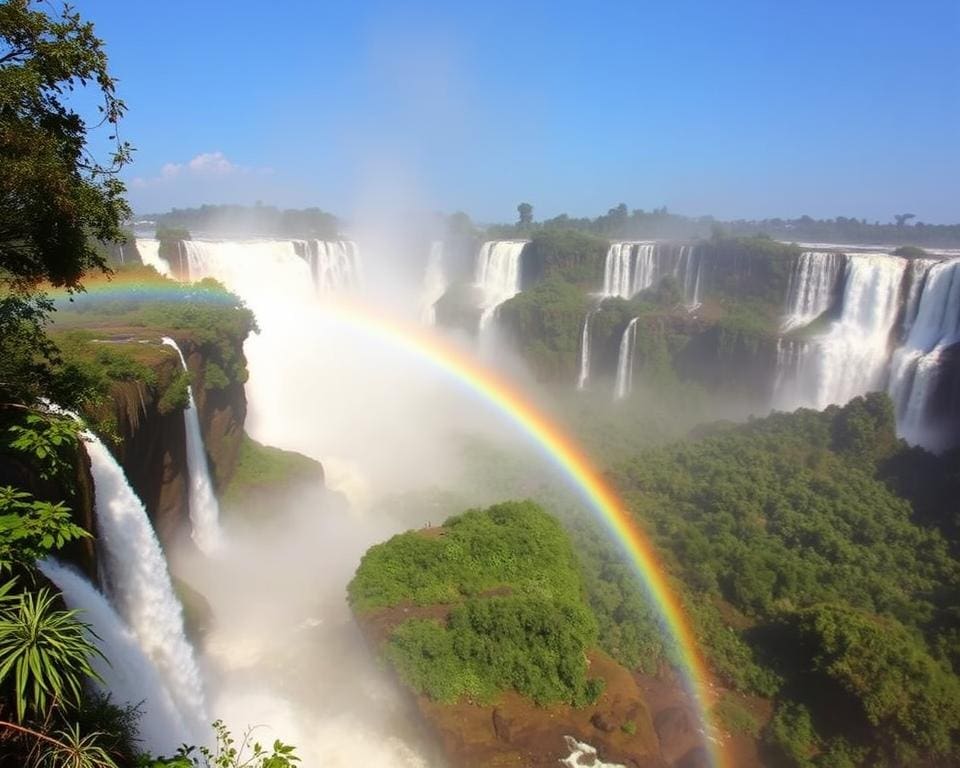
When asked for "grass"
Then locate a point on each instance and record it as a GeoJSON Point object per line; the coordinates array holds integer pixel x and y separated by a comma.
{"type": "Point", "coordinates": [261, 469]}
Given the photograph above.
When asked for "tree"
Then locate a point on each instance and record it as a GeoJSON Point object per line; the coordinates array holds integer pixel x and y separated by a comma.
{"type": "Point", "coordinates": [526, 214]}
{"type": "Point", "coordinates": [903, 218]}
{"type": "Point", "coordinates": [56, 198]}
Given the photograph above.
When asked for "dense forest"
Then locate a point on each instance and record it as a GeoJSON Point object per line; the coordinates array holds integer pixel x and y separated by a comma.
{"type": "Point", "coordinates": [621, 223]}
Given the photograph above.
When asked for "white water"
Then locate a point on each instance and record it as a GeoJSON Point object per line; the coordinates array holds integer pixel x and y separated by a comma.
{"type": "Point", "coordinates": [582, 755]}
{"type": "Point", "coordinates": [915, 365]}
{"type": "Point", "coordinates": [633, 267]}
{"type": "Point", "coordinates": [334, 264]}
{"type": "Point", "coordinates": [850, 358]}
{"type": "Point", "coordinates": [434, 283]}
{"type": "Point", "coordinates": [138, 584]}
{"type": "Point", "coordinates": [812, 287]}
{"type": "Point", "coordinates": [584, 374]}
{"type": "Point", "coordinates": [624, 382]}
{"type": "Point", "coordinates": [128, 675]}
{"type": "Point", "coordinates": [150, 255]}
{"type": "Point", "coordinates": [204, 509]}
{"type": "Point", "coordinates": [646, 267]}
{"type": "Point", "coordinates": [497, 274]}
{"type": "Point", "coordinates": [617, 270]}
{"type": "Point", "coordinates": [320, 384]}
{"type": "Point", "coordinates": [687, 269]}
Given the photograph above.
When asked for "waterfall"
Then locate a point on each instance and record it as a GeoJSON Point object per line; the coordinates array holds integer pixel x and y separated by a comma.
{"type": "Point", "coordinates": [128, 675]}
{"type": "Point", "coordinates": [812, 287]}
{"type": "Point", "coordinates": [498, 274]}
{"type": "Point", "coordinates": [334, 264]}
{"type": "Point", "coordinates": [139, 586]}
{"type": "Point", "coordinates": [617, 270]}
{"type": "Point", "coordinates": [919, 268]}
{"type": "Point", "coordinates": [585, 351]}
{"type": "Point", "coordinates": [624, 382]}
{"type": "Point", "coordinates": [645, 267]}
{"type": "Point", "coordinates": [204, 509]}
{"type": "Point", "coordinates": [916, 364]}
{"type": "Point", "coordinates": [150, 255]}
{"type": "Point", "coordinates": [850, 358]}
{"type": "Point", "coordinates": [687, 270]}
{"type": "Point", "coordinates": [434, 283]}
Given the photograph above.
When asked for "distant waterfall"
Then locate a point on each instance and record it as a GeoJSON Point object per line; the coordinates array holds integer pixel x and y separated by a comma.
{"type": "Point", "coordinates": [630, 268]}
{"type": "Point", "coordinates": [850, 358]}
{"type": "Point", "coordinates": [128, 675]}
{"type": "Point", "coordinates": [204, 509]}
{"type": "Point", "coordinates": [646, 268]}
{"type": "Point", "coordinates": [434, 283]}
{"type": "Point", "coordinates": [812, 287]}
{"type": "Point", "coordinates": [585, 351]}
{"type": "Point", "coordinates": [150, 255]}
{"type": "Point", "coordinates": [334, 264]}
{"type": "Point", "coordinates": [139, 586]}
{"type": "Point", "coordinates": [617, 270]}
{"type": "Point", "coordinates": [688, 268]}
{"type": "Point", "coordinates": [916, 364]}
{"type": "Point", "coordinates": [497, 274]}
{"type": "Point", "coordinates": [624, 382]}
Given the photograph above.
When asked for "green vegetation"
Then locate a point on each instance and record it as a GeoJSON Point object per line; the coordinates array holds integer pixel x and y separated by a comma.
{"type": "Point", "coordinates": [575, 257]}
{"type": "Point", "coordinates": [735, 717]}
{"type": "Point", "coordinates": [513, 614]}
{"type": "Point", "coordinates": [545, 323]}
{"type": "Point", "coordinates": [261, 469]}
{"type": "Point", "coordinates": [248, 221]}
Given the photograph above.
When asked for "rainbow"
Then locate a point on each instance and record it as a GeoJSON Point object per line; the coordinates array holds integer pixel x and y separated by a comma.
{"type": "Point", "coordinates": [568, 457]}
{"type": "Point", "coordinates": [550, 437]}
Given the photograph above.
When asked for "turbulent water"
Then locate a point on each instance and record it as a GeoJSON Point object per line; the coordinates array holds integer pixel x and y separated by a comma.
{"type": "Point", "coordinates": [149, 249]}
{"type": "Point", "coordinates": [891, 322]}
{"type": "Point", "coordinates": [204, 508]}
{"type": "Point", "coordinates": [129, 676]}
{"type": "Point", "coordinates": [138, 584]}
{"type": "Point", "coordinates": [497, 274]}
{"type": "Point", "coordinates": [812, 287]}
{"type": "Point", "coordinates": [322, 386]}
{"type": "Point", "coordinates": [624, 382]}
{"type": "Point", "coordinates": [584, 374]}
{"type": "Point", "coordinates": [582, 755]}
{"type": "Point", "coordinates": [334, 264]}
{"type": "Point", "coordinates": [434, 283]}
{"type": "Point", "coordinates": [850, 358]}
{"type": "Point", "coordinates": [916, 364]}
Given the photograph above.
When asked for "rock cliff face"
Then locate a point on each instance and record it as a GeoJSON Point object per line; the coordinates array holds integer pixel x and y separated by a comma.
{"type": "Point", "coordinates": [152, 445]}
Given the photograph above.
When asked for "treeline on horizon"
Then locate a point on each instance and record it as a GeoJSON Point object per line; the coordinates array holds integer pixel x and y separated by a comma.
{"type": "Point", "coordinates": [618, 222]}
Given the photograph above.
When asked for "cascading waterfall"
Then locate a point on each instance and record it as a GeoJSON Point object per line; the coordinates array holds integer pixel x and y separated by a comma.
{"type": "Point", "coordinates": [850, 358]}
{"type": "Point", "coordinates": [150, 255]}
{"type": "Point", "coordinates": [138, 584]}
{"type": "Point", "coordinates": [585, 351]}
{"type": "Point", "coordinates": [645, 267]}
{"type": "Point", "coordinates": [812, 287]}
{"type": "Point", "coordinates": [919, 268]}
{"type": "Point", "coordinates": [497, 274]}
{"type": "Point", "coordinates": [624, 382]}
{"type": "Point", "coordinates": [434, 283]}
{"type": "Point", "coordinates": [633, 267]}
{"type": "Point", "coordinates": [128, 675]}
{"type": "Point", "coordinates": [334, 264]}
{"type": "Point", "coordinates": [204, 509]}
{"type": "Point", "coordinates": [916, 364]}
{"type": "Point", "coordinates": [617, 270]}
{"type": "Point", "coordinates": [687, 270]}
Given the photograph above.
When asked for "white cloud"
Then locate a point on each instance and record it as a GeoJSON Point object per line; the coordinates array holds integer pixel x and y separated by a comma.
{"type": "Point", "coordinates": [204, 165]}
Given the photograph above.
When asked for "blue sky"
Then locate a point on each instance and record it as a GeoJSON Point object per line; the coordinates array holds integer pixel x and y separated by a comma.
{"type": "Point", "coordinates": [736, 109]}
